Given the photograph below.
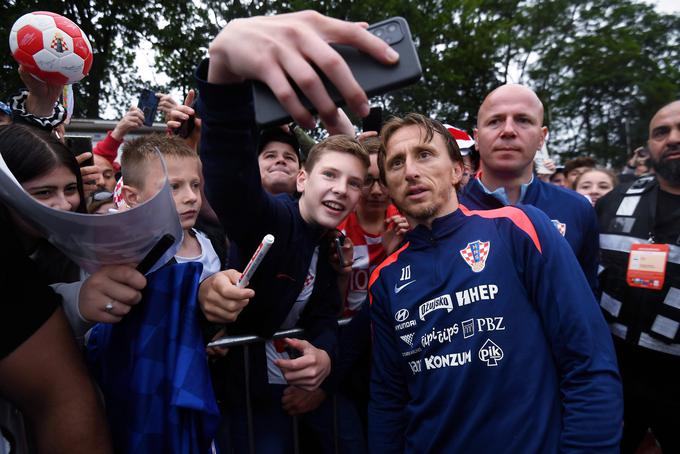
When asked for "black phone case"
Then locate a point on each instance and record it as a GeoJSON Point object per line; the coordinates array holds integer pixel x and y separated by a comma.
{"type": "Point", "coordinates": [186, 127]}
{"type": "Point", "coordinates": [79, 145]}
{"type": "Point", "coordinates": [373, 122]}
{"type": "Point", "coordinates": [375, 78]}
{"type": "Point", "coordinates": [148, 103]}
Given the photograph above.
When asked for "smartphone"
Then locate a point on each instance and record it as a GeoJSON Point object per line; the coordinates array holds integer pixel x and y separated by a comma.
{"type": "Point", "coordinates": [373, 122]}
{"type": "Point", "coordinates": [339, 241]}
{"type": "Point", "coordinates": [187, 126]}
{"type": "Point", "coordinates": [148, 103]}
{"type": "Point", "coordinates": [375, 78]}
{"type": "Point", "coordinates": [155, 253]}
{"type": "Point", "coordinates": [79, 145]}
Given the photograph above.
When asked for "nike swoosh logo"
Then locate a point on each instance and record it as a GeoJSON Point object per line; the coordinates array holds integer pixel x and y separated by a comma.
{"type": "Point", "coordinates": [399, 288]}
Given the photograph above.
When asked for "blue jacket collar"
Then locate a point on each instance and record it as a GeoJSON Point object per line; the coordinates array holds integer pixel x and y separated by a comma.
{"type": "Point", "coordinates": [441, 228]}
{"type": "Point", "coordinates": [475, 194]}
{"type": "Point", "coordinates": [501, 195]}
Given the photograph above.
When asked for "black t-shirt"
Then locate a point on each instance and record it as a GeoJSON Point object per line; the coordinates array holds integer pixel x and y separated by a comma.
{"type": "Point", "coordinates": [667, 221]}
{"type": "Point", "coordinates": [26, 301]}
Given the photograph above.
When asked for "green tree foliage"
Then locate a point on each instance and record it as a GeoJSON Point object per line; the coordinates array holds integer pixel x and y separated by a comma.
{"type": "Point", "coordinates": [114, 29]}
{"type": "Point", "coordinates": [601, 67]}
{"type": "Point", "coordinates": [603, 72]}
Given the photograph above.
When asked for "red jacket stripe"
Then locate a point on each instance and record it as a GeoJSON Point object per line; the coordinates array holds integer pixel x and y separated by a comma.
{"type": "Point", "coordinates": [517, 216]}
{"type": "Point", "coordinates": [388, 261]}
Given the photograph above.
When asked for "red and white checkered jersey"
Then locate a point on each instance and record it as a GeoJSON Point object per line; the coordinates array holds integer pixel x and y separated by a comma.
{"type": "Point", "coordinates": [368, 253]}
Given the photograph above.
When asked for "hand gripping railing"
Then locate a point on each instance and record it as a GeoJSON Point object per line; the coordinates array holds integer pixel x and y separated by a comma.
{"type": "Point", "coordinates": [244, 341]}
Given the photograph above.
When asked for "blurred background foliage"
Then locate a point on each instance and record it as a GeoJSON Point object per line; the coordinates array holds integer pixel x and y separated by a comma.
{"type": "Point", "coordinates": [601, 67]}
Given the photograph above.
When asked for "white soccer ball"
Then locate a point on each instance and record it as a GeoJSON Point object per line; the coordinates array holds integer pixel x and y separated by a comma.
{"type": "Point", "coordinates": [51, 47]}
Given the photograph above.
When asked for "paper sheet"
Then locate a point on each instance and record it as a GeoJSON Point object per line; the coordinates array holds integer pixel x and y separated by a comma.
{"type": "Point", "coordinates": [95, 240]}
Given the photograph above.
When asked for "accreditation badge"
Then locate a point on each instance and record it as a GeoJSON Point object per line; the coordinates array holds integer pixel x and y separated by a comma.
{"type": "Point", "coordinates": [647, 266]}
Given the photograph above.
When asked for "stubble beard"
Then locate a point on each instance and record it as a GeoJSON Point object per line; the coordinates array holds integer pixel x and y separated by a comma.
{"type": "Point", "coordinates": [423, 213]}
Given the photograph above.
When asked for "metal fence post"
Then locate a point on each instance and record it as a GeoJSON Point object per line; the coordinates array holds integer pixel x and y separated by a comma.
{"type": "Point", "coordinates": [245, 341]}
{"type": "Point", "coordinates": [249, 405]}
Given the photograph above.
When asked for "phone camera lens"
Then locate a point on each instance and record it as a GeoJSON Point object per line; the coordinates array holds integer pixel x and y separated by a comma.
{"type": "Point", "coordinates": [391, 28]}
{"type": "Point", "coordinates": [379, 32]}
{"type": "Point", "coordinates": [389, 39]}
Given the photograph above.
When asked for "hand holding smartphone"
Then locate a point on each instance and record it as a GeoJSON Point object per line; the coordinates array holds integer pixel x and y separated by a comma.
{"type": "Point", "coordinates": [148, 103]}
{"type": "Point", "coordinates": [374, 77]}
{"type": "Point", "coordinates": [187, 126]}
{"type": "Point", "coordinates": [79, 145]}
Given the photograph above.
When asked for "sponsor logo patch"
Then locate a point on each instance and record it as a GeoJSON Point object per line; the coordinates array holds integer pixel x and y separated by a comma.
{"type": "Point", "coordinates": [411, 352]}
{"type": "Point", "coordinates": [401, 315]}
{"type": "Point", "coordinates": [450, 360]}
{"type": "Point", "coordinates": [440, 302]}
{"type": "Point", "coordinates": [406, 324]}
{"type": "Point", "coordinates": [490, 353]}
{"type": "Point", "coordinates": [444, 335]}
{"type": "Point", "coordinates": [478, 293]}
{"type": "Point", "coordinates": [399, 288]}
{"type": "Point", "coordinates": [408, 338]}
{"type": "Point", "coordinates": [475, 254]}
{"type": "Point", "coordinates": [468, 328]}
{"type": "Point", "coordinates": [490, 324]}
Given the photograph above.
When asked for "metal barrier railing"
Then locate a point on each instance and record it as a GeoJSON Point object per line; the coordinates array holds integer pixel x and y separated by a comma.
{"type": "Point", "coordinates": [245, 341]}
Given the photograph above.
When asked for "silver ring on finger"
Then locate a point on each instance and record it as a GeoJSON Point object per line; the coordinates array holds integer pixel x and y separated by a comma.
{"type": "Point", "coordinates": [109, 307]}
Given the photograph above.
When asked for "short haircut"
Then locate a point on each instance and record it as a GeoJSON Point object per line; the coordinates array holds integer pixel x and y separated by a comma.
{"type": "Point", "coordinates": [30, 152]}
{"type": "Point", "coordinates": [581, 161]}
{"type": "Point", "coordinates": [339, 143]}
{"type": "Point", "coordinates": [430, 126]}
{"type": "Point", "coordinates": [373, 145]}
{"type": "Point", "coordinates": [558, 171]}
{"type": "Point", "coordinates": [276, 134]}
{"type": "Point", "coordinates": [139, 152]}
{"type": "Point", "coordinates": [609, 173]}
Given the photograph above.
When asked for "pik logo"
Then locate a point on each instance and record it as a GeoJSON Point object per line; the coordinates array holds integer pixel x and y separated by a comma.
{"type": "Point", "coordinates": [408, 338]}
{"type": "Point", "coordinates": [401, 315]}
{"type": "Point", "coordinates": [475, 254]}
{"type": "Point", "coordinates": [490, 353]}
{"type": "Point", "coordinates": [561, 226]}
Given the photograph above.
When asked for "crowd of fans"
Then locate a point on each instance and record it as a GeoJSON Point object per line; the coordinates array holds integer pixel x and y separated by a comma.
{"type": "Point", "coordinates": [357, 218]}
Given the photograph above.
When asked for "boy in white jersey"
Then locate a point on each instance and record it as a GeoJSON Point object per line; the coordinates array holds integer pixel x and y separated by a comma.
{"type": "Point", "coordinates": [143, 177]}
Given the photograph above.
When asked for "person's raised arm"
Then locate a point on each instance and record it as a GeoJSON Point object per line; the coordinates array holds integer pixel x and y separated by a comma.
{"type": "Point", "coordinates": [132, 120]}
{"type": "Point", "coordinates": [273, 48]}
{"type": "Point", "coordinates": [41, 96]}
{"type": "Point", "coordinates": [184, 112]}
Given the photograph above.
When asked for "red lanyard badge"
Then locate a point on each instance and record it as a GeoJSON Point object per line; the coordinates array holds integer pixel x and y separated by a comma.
{"type": "Point", "coordinates": [647, 265]}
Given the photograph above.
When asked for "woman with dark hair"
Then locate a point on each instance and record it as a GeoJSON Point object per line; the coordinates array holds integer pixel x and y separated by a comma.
{"type": "Point", "coordinates": [49, 172]}
{"type": "Point", "coordinates": [40, 368]}
{"type": "Point", "coordinates": [36, 158]}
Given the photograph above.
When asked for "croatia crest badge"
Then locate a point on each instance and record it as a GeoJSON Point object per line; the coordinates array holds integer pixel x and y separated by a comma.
{"type": "Point", "coordinates": [475, 254]}
{"type": "Point", "coordinates": [561, 226]}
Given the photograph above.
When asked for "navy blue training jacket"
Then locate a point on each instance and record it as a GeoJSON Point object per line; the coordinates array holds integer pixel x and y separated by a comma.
{"type": "Point", "coordinates": [247, 213]}
{"type": "Point", "coordinates": [571, 213]}
{"type": "Point", "coordinates": [482, 343]}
